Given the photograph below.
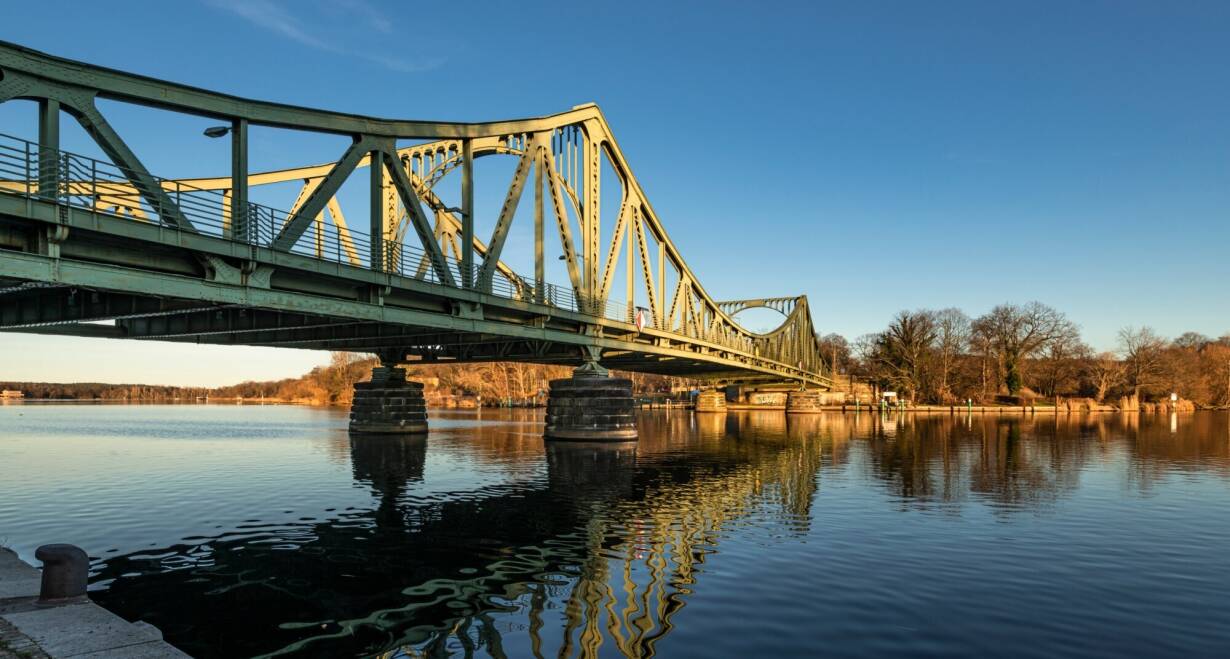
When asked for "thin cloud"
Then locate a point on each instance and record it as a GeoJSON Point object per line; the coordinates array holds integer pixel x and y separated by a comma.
{"type": "Point", "coordinates": [372, 16]}
{"type": "Point", "coordinates": [275, 18]}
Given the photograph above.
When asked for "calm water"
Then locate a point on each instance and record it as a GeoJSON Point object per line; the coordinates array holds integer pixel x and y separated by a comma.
{"type": "Point", "coordinates": [268, 530]}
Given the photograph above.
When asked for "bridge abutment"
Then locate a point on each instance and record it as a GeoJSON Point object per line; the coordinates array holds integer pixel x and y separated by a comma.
{"type": "Point", "coordinates": [591, 406]}
{"type": "Point", "coordinates": [388, 404]}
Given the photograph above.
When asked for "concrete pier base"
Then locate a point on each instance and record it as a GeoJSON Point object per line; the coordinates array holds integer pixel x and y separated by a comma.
{"type": "Point", "coordinates": [804, 402]}
{"type": "Point", "coordinates": [711, 400]}
{"type": "Point", "coordinates": [389, 404]}
{"type": "Point", "coordinates": [590, 406]}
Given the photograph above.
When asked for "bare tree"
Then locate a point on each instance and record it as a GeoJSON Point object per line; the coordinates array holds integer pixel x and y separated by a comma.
{"type": "Point", "coordinates": [904, 348]}
{"type": "Point", "coordinates": [1216, 357]}
{"type": "Point", "coordinates": [1191, 340]}
{"type": "Point", "coordinates": [988, 363]}
{"type": "Point", "coordinates": [1060, 363]}
{"type": "Point", "coordinates": [1105, 371]}
{"type": "Point", "coordinates": [864, 363]}
{"type": "Point", "coordinates": [836, 350]}
{"type": "Point", "coordinates": [953, 329]}
{"type": "Point", "coordinates": [1017, 333]}
{"type": "Point", "coordinates": [1142, 355]}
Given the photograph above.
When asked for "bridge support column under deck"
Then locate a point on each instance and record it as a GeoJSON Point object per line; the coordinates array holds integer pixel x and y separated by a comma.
{"type": "Point", "coordinates": [711, 400]}
{"type": "Point", "coordinates": [804, 402]}
{"type": "Point", "coordinates": [591, 406]}
{"type": "Point", "coordinates": [389, 404]}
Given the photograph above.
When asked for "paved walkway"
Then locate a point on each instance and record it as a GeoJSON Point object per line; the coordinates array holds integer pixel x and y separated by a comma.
{"type": "Point", "coordinates": [16, 645]}
{"type": "Point", "coordinates": [81, 631]}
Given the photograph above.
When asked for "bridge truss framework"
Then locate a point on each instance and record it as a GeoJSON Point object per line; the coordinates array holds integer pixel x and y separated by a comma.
{"type": "Point", "coordinates": [195, 260]}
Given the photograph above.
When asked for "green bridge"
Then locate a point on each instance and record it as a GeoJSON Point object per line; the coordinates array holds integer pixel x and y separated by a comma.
{"type": "Point", "coordinates": [197, 260]}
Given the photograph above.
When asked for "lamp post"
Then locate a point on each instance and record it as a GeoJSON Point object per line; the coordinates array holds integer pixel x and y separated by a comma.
{"type": "Point", "coordinates": [238, 130]}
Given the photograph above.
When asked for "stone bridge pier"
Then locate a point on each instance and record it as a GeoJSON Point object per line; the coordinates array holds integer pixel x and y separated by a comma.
{"type": "Point", "coordinates": [591, 406]}
{"type": "Point", "coordinates": [804, 401]}
{"type": "Point", "coordinates": [711, 400]}
{"type": "Point", "coordinates": [389, 403]}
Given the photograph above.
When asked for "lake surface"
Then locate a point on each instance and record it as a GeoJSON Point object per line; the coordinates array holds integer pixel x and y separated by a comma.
{"type": "Point", "coordinates": [270, 531]}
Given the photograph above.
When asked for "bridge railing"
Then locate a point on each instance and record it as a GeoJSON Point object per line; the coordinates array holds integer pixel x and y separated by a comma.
{"type": "Point", "coordinates": [100, 186]}
{"type": "Point", "coordinates": [90, 183]}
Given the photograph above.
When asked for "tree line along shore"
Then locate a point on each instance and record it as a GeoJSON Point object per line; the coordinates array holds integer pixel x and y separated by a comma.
{"type": "Point", "coordinates": [1015, 354]}
{"type": "Point", "coordinates": [1032, 354]}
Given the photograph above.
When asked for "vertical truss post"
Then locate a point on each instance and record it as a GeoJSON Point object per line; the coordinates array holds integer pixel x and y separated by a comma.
{"type": "Point", "coordinates": [592, 231]}
{"type": "Point", "coordinates": [630, 266]}
{"type": "Point", "coordinates": [48, 148]}
{"type": "Point", "coordinates": [467, 214]}
{"type": "Point", "coordinates": [661, 283]}
{"type": "Point", "coordinates": [389, 216]}
{"type": "Point", "coordinates": [540, 164]}
{"type": "Point", "coordinates": [239, 180]}
{"type": "Point", "coordinates": [376, 224]}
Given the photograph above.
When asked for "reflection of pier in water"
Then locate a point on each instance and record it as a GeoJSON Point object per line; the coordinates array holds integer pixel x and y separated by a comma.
{"type": "Point", "coordinates": [612, 541]}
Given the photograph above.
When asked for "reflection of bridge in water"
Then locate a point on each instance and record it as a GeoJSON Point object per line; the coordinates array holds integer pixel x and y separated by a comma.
{"type": "Point", "coordinates": [605, 550]}
{"type": "Point", "coordinates": [605, 547]}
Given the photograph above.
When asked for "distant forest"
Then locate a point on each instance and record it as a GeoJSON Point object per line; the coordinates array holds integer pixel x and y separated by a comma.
{"type": "Point", "coordinates": [333, 384]}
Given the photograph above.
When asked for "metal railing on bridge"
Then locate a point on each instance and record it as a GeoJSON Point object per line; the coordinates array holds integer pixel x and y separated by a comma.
{"type": "Point", "coordinates": [103, 187]}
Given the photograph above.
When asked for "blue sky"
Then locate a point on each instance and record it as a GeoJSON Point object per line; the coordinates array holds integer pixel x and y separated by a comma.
{"type": "Point", "coordinates": [875, 156]}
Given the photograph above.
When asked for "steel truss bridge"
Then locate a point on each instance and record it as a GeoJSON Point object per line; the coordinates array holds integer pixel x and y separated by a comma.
{"type": "Point", "coordinates": [196, 260]}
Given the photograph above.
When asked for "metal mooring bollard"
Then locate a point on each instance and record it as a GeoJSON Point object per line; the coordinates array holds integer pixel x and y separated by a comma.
{"type": "Point", "coordinates": [66, 569]}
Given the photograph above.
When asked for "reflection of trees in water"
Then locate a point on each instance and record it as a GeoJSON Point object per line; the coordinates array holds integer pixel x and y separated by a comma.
{"type": "Point", "coordinates": [1019, 468]}
{"type": "Point", "coordinates": [1161, 445]}
{"type": "Point", "coordinates": [1011, 461]}
{"type": "Point", "coordinates": [604, 552]}
{"type": "Point", "coordinates": [1030, 461]}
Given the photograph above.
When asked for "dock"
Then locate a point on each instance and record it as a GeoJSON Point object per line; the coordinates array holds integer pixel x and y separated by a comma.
{"type": "Point", "coordinates": [30, 630]}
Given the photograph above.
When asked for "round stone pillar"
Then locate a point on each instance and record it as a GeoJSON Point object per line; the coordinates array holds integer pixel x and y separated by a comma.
{"type": "Point", "coordinates": [711, 400]}
{"type": "Point", "coordinates": [389, 404]}
{"type": "Point", "coordinates": [803, 402]}
{"type": "Point", "coordinates": [591, 407]}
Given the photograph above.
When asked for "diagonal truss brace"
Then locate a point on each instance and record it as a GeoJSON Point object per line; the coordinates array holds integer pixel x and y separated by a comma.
{"type": "Point", "coordinates": [80, 104]}
{"type": "Point", "coordinates": [303, 217]}
{"type": "Point", "coordinates": [495, 247]}
{"type": "Point", "coordinates": [414, 209]}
